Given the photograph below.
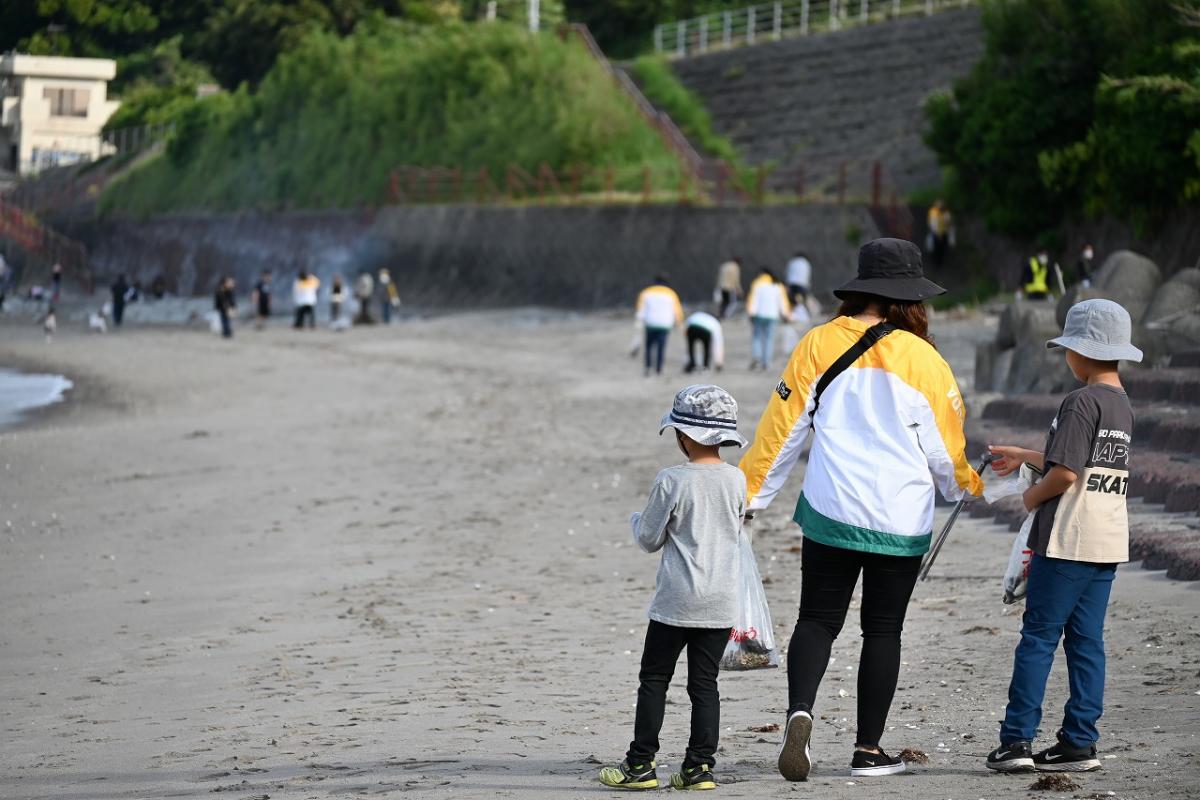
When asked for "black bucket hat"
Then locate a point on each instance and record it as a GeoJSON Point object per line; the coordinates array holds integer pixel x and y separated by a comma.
{"type": "Point", "coordinates": [891, 268]}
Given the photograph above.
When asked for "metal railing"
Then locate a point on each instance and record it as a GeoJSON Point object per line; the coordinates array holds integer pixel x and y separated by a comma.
{"type": "Point", "coordinates": [136, 138]}
{"type": "Point", "coordinates": [774, 21]}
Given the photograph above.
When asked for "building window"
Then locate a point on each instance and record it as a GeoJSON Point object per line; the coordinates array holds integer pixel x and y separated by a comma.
{"type": "Point", "coordinates": [67, 102]}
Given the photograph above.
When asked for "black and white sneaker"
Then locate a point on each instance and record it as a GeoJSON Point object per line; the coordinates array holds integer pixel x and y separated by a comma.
{"type": "Point", "coordinates": [795, 760]}
{"type": "Point", "coordinates": [865, 764]}
{"type": "Point", "coordinates": [1065, 757]}
{"type": "Point", "coordinates": [1015, 757]}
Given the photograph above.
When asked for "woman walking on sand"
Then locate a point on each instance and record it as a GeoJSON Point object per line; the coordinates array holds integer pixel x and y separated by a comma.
{"type": "Point", "coordinates": [887, 422]}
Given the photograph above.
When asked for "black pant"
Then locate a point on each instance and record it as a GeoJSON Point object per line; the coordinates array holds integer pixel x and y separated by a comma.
{"type": "Point", "coordinates": [703, 337]}
{"type": "Point", "coordinates": [303, 312]}
{"type": "Point", "coordinates": [829, 576]}
{"type": "Point", "coordinates": [663, 646]}
{"type": "Point", "coordinates": [118, 310]}
{"type": "Point", "coordinates": [226, 325]}
{"type": "Point", "coordinates": [656, 340]}
{"type": "Point", "coordinates": [726, 302]}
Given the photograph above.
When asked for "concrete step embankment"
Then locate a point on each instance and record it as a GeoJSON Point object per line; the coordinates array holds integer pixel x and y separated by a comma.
{"type": "Point", "coordinates": [852, 97]}
{"type": "Point", "coordinates": [1164, 482]}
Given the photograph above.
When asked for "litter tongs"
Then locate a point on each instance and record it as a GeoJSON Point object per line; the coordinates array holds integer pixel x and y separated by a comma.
{"type": "Point", "coordinates": [932, 555]}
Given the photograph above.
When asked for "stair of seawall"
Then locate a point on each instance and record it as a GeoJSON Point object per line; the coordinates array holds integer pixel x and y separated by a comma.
{"type": "Point", "coordinates": [848, 97]}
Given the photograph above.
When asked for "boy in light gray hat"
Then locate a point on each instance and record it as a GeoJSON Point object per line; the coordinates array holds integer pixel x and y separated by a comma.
{"type": "Point", "coordinates": [1079, 535]}
{"type": "Point", "coordinates": [695, 517]}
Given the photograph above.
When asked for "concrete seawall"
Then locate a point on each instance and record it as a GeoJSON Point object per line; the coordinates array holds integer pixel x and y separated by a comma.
{"type": "Point", "coordinates": [575, 257]}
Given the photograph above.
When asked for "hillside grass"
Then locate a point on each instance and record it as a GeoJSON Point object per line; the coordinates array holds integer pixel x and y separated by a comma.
{"type": "Point", "coordinates": [660, 85]}
{"type": "Point", "coordinates": [335, 116]}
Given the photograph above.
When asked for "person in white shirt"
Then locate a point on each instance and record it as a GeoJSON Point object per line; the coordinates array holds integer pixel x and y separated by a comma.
{"type": "Point", "coordinates": [304, 298]}
{"type": "Point", "coordinates": [799, 278]}
{"type": "Point", "coordinates": [705, 330]}
{"type": "Point", "coordinates": [766, 305]}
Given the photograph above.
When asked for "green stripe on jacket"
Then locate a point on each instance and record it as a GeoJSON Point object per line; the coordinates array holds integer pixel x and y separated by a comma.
{"type": "Point", "coordinates": [821, 528]}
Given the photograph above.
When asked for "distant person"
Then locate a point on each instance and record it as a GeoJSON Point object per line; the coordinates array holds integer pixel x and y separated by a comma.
{"type": "Point", "coordinates": [1085, 266]}
{"type": "Point", "coordinates": [364, 287]}
{"type": "Point", "coordinates": [3, 280]}
{"type": "Point", "coordinates": [941, 231]}
{"type": "Point", "coordinates": [704, 331]}
{"type": "Point", "coordinates": [50, 323]}
{"type": "Point", "coordinates": [261, 299]}
{"type": "Point", "coordinates": [119, 290]}
{"type": "Point", "coordinates": [56, 275]}
{"type": "Point", "coordinates": [158, 287]}
{"type": "Point", "coordinates": [766, 306]}
{"type": "Point", "coordinates": [135, 292]}
{"type": "Point", "coordinates": [391, 295]}
{"type": "Point", "coordinates": [337, 298]}
{"type": "Point", "coordinates": [694, 516]}
{"type": "Point", "coordinates": [799, 278]}
{"type": "Point", "coordinates": [225, 304]}
{"type": "Point", "coordinates": [729, 286]}
{"type": "Point", "coordinates": [1035, 279]}
{"type": "Point", "coordinates": [658, 310]}
{"type": "Point", "coordinates": [304, 298]}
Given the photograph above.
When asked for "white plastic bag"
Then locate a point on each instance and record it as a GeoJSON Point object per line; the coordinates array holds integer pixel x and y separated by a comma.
{"type": "Point", "coordinates": [752, 641]}
{"type": "Point", "coordinates": [997, 488]}
{"type": "Point", "coordinates": [1016, 576]}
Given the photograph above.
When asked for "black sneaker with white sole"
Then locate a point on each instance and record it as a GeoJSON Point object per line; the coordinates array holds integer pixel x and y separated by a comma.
{"type": "Point", "coordinates": [795, 760]}
{"type": "Point", "coordinates": [1015, 757]}
{"type": "Point", "coordinates": [865, 764]}
{"type": "Point", "coordinates": [1065, 757]}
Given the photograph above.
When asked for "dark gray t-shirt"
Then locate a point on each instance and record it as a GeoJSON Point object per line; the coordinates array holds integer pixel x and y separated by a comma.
{"type": "Point", "coordinates": [1090, 436]}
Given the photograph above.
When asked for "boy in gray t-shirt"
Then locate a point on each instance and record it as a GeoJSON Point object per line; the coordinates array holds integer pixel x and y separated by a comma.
{"type": "Point", "coordinates": [1079, 535]}
{"type": "Point", "coordinates": [694, 516]}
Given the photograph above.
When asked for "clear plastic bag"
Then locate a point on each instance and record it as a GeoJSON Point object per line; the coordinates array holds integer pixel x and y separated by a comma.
{"type": "Point", "coordinates": [752, 640]}
{"type": "Point", "coordinates": [1016, 575]}
{"type": "Point", "coordinates": [997, 488]}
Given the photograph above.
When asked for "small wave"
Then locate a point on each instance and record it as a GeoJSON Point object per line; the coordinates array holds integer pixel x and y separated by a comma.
{"type": "Point", "coordinates": [22, 392]}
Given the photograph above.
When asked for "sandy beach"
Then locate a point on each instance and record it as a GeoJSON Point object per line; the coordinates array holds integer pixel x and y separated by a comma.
{"type": "Point", "coordinates": [319, 565]}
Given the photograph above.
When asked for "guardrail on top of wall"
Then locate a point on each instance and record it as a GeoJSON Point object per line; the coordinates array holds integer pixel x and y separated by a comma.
{"type": "Point", "coordinates": [774, 21]}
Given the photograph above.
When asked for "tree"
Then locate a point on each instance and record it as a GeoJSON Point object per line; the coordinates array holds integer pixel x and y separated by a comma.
{"type": "Point", "coordinates": [1048, 125]}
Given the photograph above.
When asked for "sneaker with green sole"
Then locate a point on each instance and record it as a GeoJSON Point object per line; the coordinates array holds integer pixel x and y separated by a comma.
{"type": "Point", "coordinates": [699, 777]}
{"type": "Point", "coordinates": [630, 776]}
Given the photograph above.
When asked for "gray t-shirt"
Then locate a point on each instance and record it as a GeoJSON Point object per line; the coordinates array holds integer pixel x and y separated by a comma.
{"type": "Point", "coordinates": [694, 516]}
{"type": "Point", "coordinates": [1091, 436]}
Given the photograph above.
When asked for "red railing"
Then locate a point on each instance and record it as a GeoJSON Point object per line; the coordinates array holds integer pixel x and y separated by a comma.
{"type": "Point", "coordinates": [45, 244]}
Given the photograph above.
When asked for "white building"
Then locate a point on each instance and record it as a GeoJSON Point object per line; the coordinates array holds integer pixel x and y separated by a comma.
{"type": "Point", "coordinates": [52, 110]}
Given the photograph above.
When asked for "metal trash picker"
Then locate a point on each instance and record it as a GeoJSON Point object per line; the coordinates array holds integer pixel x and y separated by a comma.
{"type": "Point", "coordinates": [932, 555]}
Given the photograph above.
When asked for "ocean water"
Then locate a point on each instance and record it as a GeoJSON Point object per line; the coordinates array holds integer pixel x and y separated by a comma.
{"type": "Point", "coordinates": [22, 392]}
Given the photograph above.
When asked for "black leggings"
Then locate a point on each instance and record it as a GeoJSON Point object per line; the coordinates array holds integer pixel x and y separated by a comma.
{"type": "Point", "coordinates": [703, 337]}
{"type": "Point", "coordinates": [829, 577]}
{"type": "Point", "coordinates": [664, 643]}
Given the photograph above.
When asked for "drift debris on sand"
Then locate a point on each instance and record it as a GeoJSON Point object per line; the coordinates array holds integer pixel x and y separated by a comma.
{"type": "Point", "coordinates": [1054, 783]}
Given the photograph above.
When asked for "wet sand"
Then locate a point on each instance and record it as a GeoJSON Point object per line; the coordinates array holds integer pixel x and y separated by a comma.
{"type": "Point", "coordinates": [396, 560]}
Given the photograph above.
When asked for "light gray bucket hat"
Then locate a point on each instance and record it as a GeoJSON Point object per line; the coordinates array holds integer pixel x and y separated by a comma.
{"type": "Point", "coordinates": [1099, 329]}
{"type": "Point", "coordinates": [705, 413]}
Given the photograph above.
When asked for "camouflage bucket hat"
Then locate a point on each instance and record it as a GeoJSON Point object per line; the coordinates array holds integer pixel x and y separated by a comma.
{"type": "Point", "coordinates": [705, 413]}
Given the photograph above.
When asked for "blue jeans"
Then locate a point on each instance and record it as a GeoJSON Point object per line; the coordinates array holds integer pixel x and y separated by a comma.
{"type": "Point", "coordinates": [1067, 600]}
{"type": "Point", "coordinates": [656, 340]}
{"type": "Point", "coordinates": [762, 339]}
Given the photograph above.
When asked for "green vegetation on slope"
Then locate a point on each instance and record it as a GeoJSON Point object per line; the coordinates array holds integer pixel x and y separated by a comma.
{"type": "Point", "coordinates": [336, 115]}
{"type": "Point", "coordinates": [664, 90]}
{"type": "Point", "coordinates": [1078, 106]}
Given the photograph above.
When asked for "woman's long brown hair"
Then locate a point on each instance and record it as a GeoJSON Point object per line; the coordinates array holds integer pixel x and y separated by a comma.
{"type": "Point", "coordinates": [906, 316]}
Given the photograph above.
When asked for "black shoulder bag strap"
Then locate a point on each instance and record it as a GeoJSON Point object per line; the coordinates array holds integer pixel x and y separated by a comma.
{"type": "Point", "coordinates": [868, 340]}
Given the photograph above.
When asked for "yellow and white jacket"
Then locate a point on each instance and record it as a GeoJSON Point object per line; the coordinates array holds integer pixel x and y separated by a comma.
{"type": "Point", "coordinates": [658, 307]}
{"type": "Point", "coordinates": [889, 429]}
